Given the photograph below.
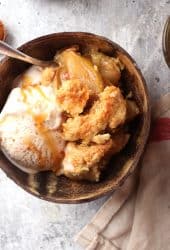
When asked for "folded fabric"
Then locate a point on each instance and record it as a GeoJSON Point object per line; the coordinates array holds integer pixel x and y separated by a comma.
{"type": "Point", "coordinates": [137, 215]}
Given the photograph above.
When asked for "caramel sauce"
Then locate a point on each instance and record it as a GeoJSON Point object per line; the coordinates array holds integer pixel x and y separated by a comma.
{"type": "Point", "coordinates": [31, 146]}
{"type": "Point", "coordinates": [41, 92]}
{"type": "Point", "coordinates": [39, 119]}
{"type": "Point", "coordinates": [57, 78]}
{"type": "Point", "coordinates": [29, 88]}
{"type": "Point", "coordinates": [26, 81]}
{"type": "Point", "coordinates": [49, 140]}
{"type": "Point", "coordinates": [48, 137]}
{"type": "Point", "coordinates": [23, 94]}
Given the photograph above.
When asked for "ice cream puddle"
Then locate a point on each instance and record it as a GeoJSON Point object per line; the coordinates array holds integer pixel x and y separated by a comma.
{"type": "Point", "coordinates": [31, 76]}
{"type": "Point", "coordinates": [35, 102]}
{"type": "Point", "coordinates": [67, 118]}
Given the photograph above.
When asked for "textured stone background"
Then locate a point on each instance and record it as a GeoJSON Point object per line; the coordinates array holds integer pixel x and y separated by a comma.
{"type": "Point", "coordinates": [27, 223]}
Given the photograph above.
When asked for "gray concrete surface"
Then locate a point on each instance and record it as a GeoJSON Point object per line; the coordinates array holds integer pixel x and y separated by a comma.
{"type": "Point", "coordinates": [27, 223]}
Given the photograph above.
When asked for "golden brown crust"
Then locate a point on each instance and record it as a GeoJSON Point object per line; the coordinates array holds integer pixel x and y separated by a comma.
{"type": "Point", "coordinates": [85, 162]}
{"type": "Point", "coordinates": [101, 138]}
{"type": "Point", "coordinates": [48, 75]}
{"type": "Point", "coordinates": [81, 160]}
{"type": "Point", "coordinates": [72, 96]}
{"type": "Point", "coordinates": [109, 110]}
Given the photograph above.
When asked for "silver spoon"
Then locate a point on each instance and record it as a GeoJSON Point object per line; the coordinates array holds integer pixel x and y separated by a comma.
{"type": "Point", "coordinates": [7, 50]}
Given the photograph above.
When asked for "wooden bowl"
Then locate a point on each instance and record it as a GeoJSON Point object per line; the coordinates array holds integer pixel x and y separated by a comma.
{"type": "Point", "coordinates": [46, 185]}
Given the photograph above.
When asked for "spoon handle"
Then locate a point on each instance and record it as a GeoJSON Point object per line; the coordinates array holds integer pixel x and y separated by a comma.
{"type": "Point", "coordinates": [7, 50]}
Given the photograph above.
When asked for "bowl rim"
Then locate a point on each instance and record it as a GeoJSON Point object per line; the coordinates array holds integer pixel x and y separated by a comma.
{"type": "Point", "coordinates": [146, 124]}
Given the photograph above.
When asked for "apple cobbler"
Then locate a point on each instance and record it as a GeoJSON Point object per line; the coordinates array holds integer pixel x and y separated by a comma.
{"type": "Point", "coordinates": [73, 117]}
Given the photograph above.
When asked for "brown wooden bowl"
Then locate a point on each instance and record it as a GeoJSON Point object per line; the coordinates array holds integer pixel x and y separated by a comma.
{"type": "Point", "coordinates": [46, 185]}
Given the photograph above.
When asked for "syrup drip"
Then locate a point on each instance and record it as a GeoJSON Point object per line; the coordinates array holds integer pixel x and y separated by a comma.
{"type": "Point", "coordinates": [48, 136]}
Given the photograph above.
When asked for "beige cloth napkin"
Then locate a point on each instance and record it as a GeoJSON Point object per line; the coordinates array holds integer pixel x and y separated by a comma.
{"type": "Point", "coordinates": [137, 216]}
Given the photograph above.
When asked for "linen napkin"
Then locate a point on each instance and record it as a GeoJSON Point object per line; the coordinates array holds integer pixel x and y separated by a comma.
{"type": "Point", "coordinates": [137, 215]}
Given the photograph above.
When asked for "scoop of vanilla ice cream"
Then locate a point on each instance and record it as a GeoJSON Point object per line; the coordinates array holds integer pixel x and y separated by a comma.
{"type": "Point", "coordinates": [29, 125]}
{"type": "Point", "coordinates": [33, 74]}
